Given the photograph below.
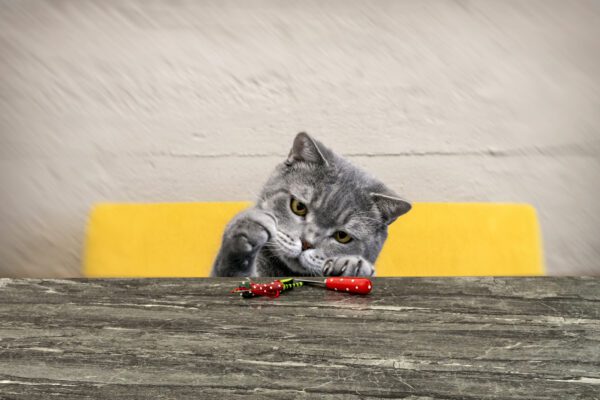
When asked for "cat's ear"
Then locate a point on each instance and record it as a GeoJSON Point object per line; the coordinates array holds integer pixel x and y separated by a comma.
{"type": "Point", "coordinates": [306, 149]}
{"type": "Point", "coordinates": [390, 207]}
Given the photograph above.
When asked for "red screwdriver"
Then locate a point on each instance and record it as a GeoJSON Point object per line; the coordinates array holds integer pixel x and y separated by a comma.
{"type": "Point", "coordinates": [346, 284]}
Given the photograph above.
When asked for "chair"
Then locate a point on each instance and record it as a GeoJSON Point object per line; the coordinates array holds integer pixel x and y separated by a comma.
{"type": "Point", "coordinates": [433, 239]}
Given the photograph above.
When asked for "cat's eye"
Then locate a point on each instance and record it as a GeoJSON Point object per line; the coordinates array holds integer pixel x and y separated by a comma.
{"type": "Point", "coordinates": [342, 237]}
{"type": "Point", "coordinates": [298, 208]}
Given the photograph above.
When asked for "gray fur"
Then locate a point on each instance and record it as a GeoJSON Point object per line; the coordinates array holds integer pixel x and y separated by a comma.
{"type": "Point", "coordinates": [265, 240]}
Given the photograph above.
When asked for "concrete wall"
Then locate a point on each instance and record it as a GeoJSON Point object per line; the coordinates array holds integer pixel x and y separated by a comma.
{"type": "Point", "coordinates": [196, 101]}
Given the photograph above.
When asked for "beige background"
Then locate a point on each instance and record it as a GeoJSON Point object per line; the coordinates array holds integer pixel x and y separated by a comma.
{"type": "Point", "coordinates": [196, 101]}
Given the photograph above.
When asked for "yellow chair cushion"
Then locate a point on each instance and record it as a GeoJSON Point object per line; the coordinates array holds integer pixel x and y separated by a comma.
{"type": "Point", "coordinates": [434, 239]}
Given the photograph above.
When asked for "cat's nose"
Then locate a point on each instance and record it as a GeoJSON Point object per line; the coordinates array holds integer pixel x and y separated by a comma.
{"type": "Point", "coordinates": [306, 245]}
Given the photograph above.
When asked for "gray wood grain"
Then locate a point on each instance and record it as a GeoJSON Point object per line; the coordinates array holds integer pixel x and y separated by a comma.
{"type": "Point", "coordinates": [460, 338]}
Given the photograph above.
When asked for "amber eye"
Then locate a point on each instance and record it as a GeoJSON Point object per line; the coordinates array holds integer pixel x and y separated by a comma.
{"type": "Point", "coordinates": [298, 208]}
{"type": "Point", "coordinates": [342, 237]}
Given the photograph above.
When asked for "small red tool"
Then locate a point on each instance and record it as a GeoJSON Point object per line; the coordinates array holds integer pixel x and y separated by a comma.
{"type": "Point", "coordinates": [273, 289]}
{"type": "Point", "coordinates": [346, 284]}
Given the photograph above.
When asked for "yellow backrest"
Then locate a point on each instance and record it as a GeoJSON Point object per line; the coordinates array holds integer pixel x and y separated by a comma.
{"type": "Point", "coordinates": [433, 239]}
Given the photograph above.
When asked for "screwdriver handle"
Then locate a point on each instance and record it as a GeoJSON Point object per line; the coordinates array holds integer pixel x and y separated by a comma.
{"type": "Point", "coordinates": [349, 284]}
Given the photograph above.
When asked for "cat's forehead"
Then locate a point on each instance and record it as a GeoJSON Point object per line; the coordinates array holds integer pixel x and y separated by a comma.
{"type": "Point", "coordinates": [328, 195]}
{"type": "Point", "coordinates": [334, 204]}
{"type": "Point", "coordinates": [334, 193]}
{"type": "Point", "coordinates": [304, 193]}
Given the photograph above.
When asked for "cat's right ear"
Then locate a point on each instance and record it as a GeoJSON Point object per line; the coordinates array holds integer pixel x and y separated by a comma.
{"type": "Point", "coordinates": [390, 207]}
{"type": "Point", "coordinates": [306, 149]}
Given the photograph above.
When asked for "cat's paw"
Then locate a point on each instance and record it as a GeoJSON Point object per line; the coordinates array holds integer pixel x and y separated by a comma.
{"type": "Point", "coordinates": [348, 266]}
{"type": "Point", "coordinates": [250, 230]}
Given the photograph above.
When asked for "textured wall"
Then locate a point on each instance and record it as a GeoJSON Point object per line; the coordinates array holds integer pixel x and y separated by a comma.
{"type": "Point", "coordinates": [191, 101]}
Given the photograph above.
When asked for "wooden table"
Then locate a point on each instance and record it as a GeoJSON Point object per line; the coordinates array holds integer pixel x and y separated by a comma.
{"type": "Point", "coordinates": [452, 338]}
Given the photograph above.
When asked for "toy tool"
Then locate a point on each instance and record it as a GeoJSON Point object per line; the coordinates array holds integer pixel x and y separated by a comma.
{"type": "Point", "coordinates": [272, 289]}
{"type": "Point", "coordinates": [347, 284]}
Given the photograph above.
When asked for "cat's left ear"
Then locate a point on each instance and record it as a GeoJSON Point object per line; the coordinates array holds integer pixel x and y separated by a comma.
{"type": "Point", "coordinates": [306, 149]}
{"type": "Point", "coordinates": [390, 207]}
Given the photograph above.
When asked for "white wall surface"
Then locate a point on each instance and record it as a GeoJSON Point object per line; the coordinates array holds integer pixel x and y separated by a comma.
{"type": "Point", "coordinates": [196, 101]}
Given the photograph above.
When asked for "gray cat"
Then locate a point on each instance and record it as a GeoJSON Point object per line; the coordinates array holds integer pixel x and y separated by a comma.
{"type": "Point", "coordinates": [318, 215]}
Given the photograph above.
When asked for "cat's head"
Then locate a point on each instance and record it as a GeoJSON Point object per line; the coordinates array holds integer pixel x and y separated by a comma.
{"type": "Point", "coordinates": [326, 207]}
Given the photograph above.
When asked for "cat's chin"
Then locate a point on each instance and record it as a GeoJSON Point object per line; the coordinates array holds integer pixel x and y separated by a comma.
{"type": "Point", "coordinates": [312, 262]}
{"type": "Point", "coordinates": [306, 263]}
